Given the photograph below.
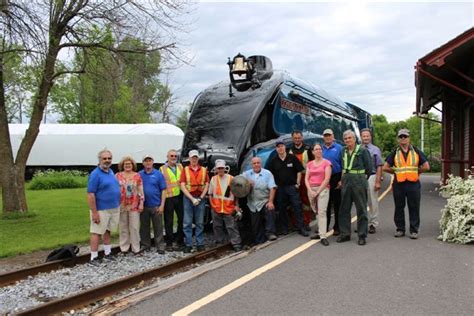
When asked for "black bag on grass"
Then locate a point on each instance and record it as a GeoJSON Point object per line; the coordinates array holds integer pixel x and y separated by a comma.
{"type": "Point", "coordinates": [65, 252]}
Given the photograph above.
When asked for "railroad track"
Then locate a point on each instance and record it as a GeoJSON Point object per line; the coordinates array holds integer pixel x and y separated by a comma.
{"type": "Point", "coordinates": [97, 293]}
{"type": "Point", "coordinates": [14, 276]}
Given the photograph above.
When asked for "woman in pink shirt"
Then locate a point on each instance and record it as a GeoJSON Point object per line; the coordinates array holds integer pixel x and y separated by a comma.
{"type": "Point", "coordinates": [318, 174]}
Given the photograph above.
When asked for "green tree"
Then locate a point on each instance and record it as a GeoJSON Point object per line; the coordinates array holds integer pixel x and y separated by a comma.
{"type": "Point", "coordinates": [384, 134]}
{"type": "Point", "coordinates": [42, 29]}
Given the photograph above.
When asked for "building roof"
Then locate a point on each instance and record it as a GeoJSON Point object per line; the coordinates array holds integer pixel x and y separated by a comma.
{"type": "Point", "coordinates": [446, 67]}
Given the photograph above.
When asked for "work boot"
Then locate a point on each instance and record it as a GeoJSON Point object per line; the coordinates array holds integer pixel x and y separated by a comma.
{"type": "Point", "coordinates": [272, 237]}
{"type": "Point", "coordinates": [187, 249]}
{"type": "Point", "coordinates": [361, 241]}
{"type": "Point", "coordinates": [399, 233]}
{"type": "Point", "coordinates": [343, 239]}
{"type": "Point", "coordinates": [303, 232]}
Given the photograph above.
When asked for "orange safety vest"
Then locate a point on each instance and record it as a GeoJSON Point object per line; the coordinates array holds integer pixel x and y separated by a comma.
{"type": "Point", "coordinates": [303, 157]}
{"type": "Point", "coordinates": [172, 180]}
{"type": "Point", "coordinates": [195, 182]}
{"type": "Point", "coordinates": [219, 202]}
{"type": "Point", "coordinates": [406, 170]}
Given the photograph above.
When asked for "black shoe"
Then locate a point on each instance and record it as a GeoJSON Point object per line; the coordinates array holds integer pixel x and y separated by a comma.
{"type": "Point", "coordinates": [361, 241]}
{"type": "Point", "coordinates": [110, 257]}
{"type": "Point", "coordinates": [303, 232]}
{"type": "Point", "coordinates": [372, 229]}
{"type": "Point", "coordinates": [161, 251]}
{"type": "Point", "coordinates": [272, 237]}
{"type": "Point", "coordinates": [336, 233]}
{"type": "Point", "coordinates": [307, 228]}
{"type": "Point", "coordinates": [187, 249]}
{"type": "Point", "coordinates": [169, 247]}
{"type": "Point", "coordinates": [399, 233]}
{"type": "Point", "coordinates": [237, 248]}
{"type": "Point", "coordinates": [178, 247]}
{"type": "Point", "coordinates": [324, 242]}
{"type": "Point", "coordinates": [201, 248]}
{"type": "Point", "coordinates": [315, 236]}
{"type": "Point", "coordinates": [95, 262]}
{"type": "Point", "coordinates": [144, 249]}
{"type": "Point", "coordinates": [343, 238]}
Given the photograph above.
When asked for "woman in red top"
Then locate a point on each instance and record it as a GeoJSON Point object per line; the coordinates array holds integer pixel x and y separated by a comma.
{"type": "Point", "coordinates": [131, 204]}
{"type": "Point", "coordinates": [318, 174]}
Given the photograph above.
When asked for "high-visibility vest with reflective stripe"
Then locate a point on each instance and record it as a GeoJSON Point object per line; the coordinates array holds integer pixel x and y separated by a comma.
{"type": "Point", "coordinates": [219, 202]}
{"type": "Point", "coordinates": [406, 170]}
{"type": "Point", "coordinates": [195, 182]}
{"type": "Point", "coordinates": [172, 180]}
{"type": "Point", "coordinates": [347, 165]}
{"type": "Point", "coordinates": [303, 158]}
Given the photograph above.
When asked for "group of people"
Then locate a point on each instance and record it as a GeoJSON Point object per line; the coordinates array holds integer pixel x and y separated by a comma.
{"type": "Point", "coordinates": [314, 181]}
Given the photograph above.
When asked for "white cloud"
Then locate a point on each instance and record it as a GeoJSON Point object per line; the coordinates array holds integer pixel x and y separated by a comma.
{"type": "Point", "coordinates": [362, 52]}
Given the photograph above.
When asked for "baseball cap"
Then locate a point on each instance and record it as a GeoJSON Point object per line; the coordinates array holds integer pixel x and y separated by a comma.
{"type": "Point", "coordinates": [147, 156]}
{"type": "Point", "coordinates": [279, 142]}
{"type": "Point", "coordinates": [328, 131]}
{"type": "Point", "coordinates": [403, 131]}
{"type": "Point", "coordinates": [220, 163]}
{"type": "Point", "coordinates": [193, 153]}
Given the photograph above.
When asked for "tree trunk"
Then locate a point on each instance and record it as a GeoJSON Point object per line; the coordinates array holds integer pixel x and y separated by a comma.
{"type": "Point", "coordinates": [13, 172]}
{"type": "Point", "coordinates": [13, 193]}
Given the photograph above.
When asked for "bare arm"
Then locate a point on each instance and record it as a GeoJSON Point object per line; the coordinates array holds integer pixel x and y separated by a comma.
{"type": "Point", "coordinates": [270, 205]}
{"type": "Point", "coordinates": [378, 177]}
{"type": "Point", "coordinates": [93, 207]}
{"type": "Point", "coordinates": [327, 178]}
{"type": "Point", "coordinates": [387, 168]}
{"type": "Point", "coordinates": [161, 208]}
{"type": "Point", "coordinates": [424, 167]}
{"type": "Point", "coordinates": [185, 191]}
{"type": "Point", "coordinates": [306, 179]}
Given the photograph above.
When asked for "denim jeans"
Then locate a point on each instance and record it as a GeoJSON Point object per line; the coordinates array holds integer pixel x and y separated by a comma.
{"type": "Point", "coordinates": [407, 193]}
{"type": "Point", "coordinates": [263, 224]}
{"type": "Point", "coordinates": [285, 195]}
{"type": "Point", "coordinates": [197, 213]}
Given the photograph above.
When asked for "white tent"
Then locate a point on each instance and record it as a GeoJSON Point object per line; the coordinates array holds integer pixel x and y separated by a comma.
{"type": "Point", "coordinates": [78, 144]}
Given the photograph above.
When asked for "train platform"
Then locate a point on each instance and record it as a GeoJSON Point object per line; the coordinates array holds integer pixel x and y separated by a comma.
{"type": "Point", "coordinates": [296, 275]}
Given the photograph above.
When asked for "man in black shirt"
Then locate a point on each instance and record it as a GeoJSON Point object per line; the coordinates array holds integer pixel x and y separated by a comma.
{"type": "Point", "coordinates": [287, 169]}
{"type": "Point", "coordinates": [407, 163]}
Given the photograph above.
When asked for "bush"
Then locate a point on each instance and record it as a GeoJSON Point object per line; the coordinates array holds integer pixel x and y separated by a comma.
{"type": "Point", "coordinates": [51, 179]}
{"type": "Point", "coordinates": [435, 163]}
{"type": "Point", "coordinates": [457, 219]}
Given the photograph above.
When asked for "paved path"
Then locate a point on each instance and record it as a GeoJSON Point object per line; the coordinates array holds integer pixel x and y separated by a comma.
{"type": "Point", "coordinates": [387, 276]}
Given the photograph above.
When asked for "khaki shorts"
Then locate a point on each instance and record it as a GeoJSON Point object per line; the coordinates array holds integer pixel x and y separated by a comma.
{"type": "Point", "coordinates": [109, 220]}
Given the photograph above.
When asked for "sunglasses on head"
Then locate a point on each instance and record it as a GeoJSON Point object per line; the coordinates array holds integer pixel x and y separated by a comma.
{"type": "Point", "coordinates": [403, 136]}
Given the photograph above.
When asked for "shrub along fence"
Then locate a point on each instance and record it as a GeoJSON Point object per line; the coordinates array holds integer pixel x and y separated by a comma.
{"type": "Point", "coordinates": [52, 179]}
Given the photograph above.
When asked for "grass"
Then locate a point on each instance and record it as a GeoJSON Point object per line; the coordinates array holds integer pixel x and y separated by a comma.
{"type": "Point", "coordinates": [60, 217]}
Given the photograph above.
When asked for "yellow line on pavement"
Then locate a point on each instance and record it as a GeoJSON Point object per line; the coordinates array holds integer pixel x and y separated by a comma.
{"type": "Point", "coordinates": [248, 277]}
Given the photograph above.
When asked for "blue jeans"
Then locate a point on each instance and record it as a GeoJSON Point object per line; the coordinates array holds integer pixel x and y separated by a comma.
{"type": "Point", "coordinates": [197, 213]}
{"type": "Point", "coordinates": [285, 195]}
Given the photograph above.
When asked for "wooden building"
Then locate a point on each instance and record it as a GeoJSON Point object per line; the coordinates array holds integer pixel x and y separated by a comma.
{"type": "Point", "coordinates": [444, 81]}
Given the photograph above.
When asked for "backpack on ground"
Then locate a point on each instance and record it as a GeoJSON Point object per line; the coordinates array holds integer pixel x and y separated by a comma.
{"type": "Point", "coordinates": [65, 252]}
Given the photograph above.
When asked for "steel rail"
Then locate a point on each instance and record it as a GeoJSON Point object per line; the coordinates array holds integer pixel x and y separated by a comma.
{"type": "Point", "coordinates": [14, 276]}
{"type": "Point", "coordinates": [110, 288]}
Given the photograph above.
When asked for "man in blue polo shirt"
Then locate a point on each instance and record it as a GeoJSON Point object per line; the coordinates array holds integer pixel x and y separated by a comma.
{"type": "Point", "coordinates": [332, 152]}
{"type": "Point", "coordinates": [103, 197]}
{"type": "Point", "coordinates": [154, 188]}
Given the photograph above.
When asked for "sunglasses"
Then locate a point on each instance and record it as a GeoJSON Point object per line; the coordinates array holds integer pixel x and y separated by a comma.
{"type": "Point", "coordinates": [173, 156]}
{"type": "Point", "coordinates": [107, 158]}
{"type": "Point", "coordinates": [403, 136]}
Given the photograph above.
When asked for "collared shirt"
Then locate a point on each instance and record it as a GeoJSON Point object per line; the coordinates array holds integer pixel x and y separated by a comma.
{"type": "Point", "coordinates": [285, 171]}
{"type": "Point", "coordinates": [362, 161]}
{"type": "Point", "coordinates": [333, 153]}
{"type": "Point", "coordinates": [105, 187]}
{"type": "Point", "coordinates": [153, 184]}
{"type": "Point", "coordinates": [376, 156]}
{"type": "Point", "coordinates": [263, 184]}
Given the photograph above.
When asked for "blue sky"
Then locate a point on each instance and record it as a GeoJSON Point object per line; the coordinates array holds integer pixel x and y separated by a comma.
{"type": "Point", "coordinates": [362, 52]}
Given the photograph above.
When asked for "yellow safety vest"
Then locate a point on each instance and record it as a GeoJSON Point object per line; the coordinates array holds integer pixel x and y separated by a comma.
{"type": "Point", "coordinates": [347, 165]}
{"type": "Point", "coordinates": [303, 161]}
{"type": "Point", "coordinates": [172, 180]}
